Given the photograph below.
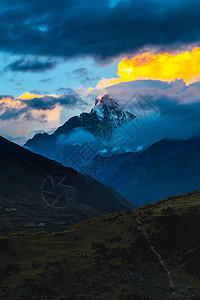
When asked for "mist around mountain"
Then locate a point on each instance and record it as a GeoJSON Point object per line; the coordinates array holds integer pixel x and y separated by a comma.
{"type": "Point", "coordinates": [81, 138]}
{"type": "Point", "coordinates": [39, 194]}
{"type": "Point", "coordinates": [167, 168]}
{"type": "Point", "coordinates": [65, 235]}
{"type": "Point", "coordinates": [149, 253]}
{"type": "Point", "coordinates": [103, 144]}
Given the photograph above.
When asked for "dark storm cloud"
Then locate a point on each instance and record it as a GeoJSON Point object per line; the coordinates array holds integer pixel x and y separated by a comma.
{"type": "Point", "coordinates": [12, 114]}
{"type": "Point", "coordinates": [30, 66]}
{"type": "Point", "coordinates": [69, 28]}
{"type": "Point", "coordinates": [49, 103]}
{"type": "Point", "coordinates": [24, 107]}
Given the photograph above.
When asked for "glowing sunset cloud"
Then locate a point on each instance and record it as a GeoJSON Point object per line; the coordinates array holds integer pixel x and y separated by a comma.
{"type": "Point", "coordinates": [8, 102]}
{"type": "Point", "coordinates": [162, 66]}
{"type": "Point", "coordinates": [5, 99]}
{"type": "Point", "coordinates": [27, 95]}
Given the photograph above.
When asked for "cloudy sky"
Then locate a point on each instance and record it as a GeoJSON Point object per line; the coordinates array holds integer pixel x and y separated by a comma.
{"type": "Point", "coordinates": [56, 56]}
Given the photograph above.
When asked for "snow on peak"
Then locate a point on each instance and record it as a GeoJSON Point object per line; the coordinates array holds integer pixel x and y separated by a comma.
{"type": "Point", "coordinates": [105, 99]}
{"type": "Point", "coordinates": [107, 109]}
{"type": "Point", "coordinates": [107, 94]}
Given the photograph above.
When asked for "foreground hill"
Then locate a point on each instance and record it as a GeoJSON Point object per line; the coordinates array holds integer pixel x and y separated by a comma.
{"type": "Point", "coordinates": [150, 253]}
{"type": "Point", "coordinates": [38, 193]}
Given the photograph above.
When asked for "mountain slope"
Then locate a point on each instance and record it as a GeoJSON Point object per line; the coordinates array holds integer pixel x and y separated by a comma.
{"type": "Point", "coordinates": [167, 168]}
{"type": "Point", "coordinates": [102, 167]}
{"type": "Point", "coordinates": [30, 202]}
{"type": "Point", "coordinates": [94, 129]}
{"type": "Point", "coordinates": [151, 253]}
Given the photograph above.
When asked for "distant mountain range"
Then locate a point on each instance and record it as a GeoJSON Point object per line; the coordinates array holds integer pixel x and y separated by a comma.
{"type": "Point", "coordinates": [167, 168]}
{"type": "Point", "coordinates": [39, 194]}
{"type": "Point", "coordinates": [86, 143]}
{"type": "Point", "coordinates": [90, 133]}
{"type": "Point", "coordinates": [150, 253]}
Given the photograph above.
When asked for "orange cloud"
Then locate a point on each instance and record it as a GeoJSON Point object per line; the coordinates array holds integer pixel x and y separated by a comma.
{"type": "Point", "coordinates": [9, 102]}
{"type": "Point", "coordinates": [5, 99]}
{"type": "Point", "coordinates": [162, 66]}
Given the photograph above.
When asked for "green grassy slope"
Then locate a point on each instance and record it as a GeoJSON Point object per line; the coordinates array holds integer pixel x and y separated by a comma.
{"type": "Point", "coordinates": [151, 253]}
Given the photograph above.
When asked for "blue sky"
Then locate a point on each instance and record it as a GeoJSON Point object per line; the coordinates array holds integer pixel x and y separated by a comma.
{"type": "Point", "coordinates": [65, 75]}
{"type": "Point", "coordinates": [64, 47]}
{"type": "Point", "coordinates": [42, 43]}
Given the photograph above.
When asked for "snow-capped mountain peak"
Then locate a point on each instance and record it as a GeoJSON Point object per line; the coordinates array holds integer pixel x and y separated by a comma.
{"type": "Point", "coordinates": [107, 109]}
{"type": "Point", "coordinates": [96, 129]}
{"type": "Point", "coordinates": [105, 99]}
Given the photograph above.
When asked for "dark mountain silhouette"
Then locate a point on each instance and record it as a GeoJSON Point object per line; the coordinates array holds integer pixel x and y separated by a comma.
{"type": "Point", "coordinates": [167, 168]}
{"type": "Point", "coordinates": [39, 194]}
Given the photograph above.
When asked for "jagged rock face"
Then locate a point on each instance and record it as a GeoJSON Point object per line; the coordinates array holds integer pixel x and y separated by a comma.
{"type": "Point", "coordinates": [103, 119]}
{"type": "Point", "coordinates": [110, 115]}
{"type": "Point", "coordinates": [106, 116]}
